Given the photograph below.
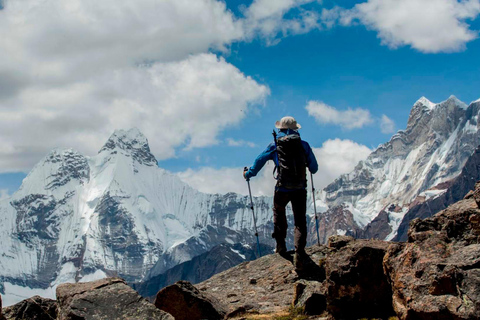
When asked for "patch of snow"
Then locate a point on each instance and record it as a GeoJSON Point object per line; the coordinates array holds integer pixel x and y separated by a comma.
{"type": "Point", "coordinates": [394, 220]}
{"type": "Point", "coordinates": [428, 194]}
{"type": "Point", "coordinates": [238, 252]}
{"type": "Point", "coordinates": [424, 101]}
{"type": "Point", "coordinates": [341, 232]}
{"type": "Point", "coordinates": [97, 275]}
{"type": "Point", "coordinates": [459, 103]}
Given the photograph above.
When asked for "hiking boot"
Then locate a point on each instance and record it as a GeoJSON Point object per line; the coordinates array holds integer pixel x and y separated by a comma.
{"type": "Point", "coordinates": [281, 248]}
{"type": "Point", "coordinates": [299, 261]}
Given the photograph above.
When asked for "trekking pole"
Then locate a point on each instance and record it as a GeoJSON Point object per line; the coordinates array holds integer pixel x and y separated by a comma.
{"type": "Point", "coordinates": [253, 212]}
{"type": "Point", "coordinates": [315, 208]}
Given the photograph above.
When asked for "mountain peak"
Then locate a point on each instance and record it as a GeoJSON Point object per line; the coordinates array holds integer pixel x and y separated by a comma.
{"type": "Point", "coordinates": [457, 102]}
{"type": "Point", "coordinates": [425, 102]}
{"type": "Point", "coordinates": [131, 143]}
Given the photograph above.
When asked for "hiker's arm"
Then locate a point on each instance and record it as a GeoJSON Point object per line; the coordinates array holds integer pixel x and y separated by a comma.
{"type": "Point", "coordinates": [260, 161]}
{"type": "Point", "coordinates": [311, 160]}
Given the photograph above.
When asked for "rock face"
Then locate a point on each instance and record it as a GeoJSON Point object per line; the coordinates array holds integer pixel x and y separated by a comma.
{"type": "Point", "coordinates": [436, 275]}
{"type": "Point", "coordinates": [185, 302]}
{"type": "Point", "coordinates": [35, 308]}
{"type": "Point", "coordinates": [356, 285]}
{"type": "Point", "coordinates": [109, 298]}
{"type": "Point", "coordinates": [456, 189]}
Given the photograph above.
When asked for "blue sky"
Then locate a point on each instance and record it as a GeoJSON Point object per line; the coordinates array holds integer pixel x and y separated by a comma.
{"type": "Point", "coordinates": [273, 58]}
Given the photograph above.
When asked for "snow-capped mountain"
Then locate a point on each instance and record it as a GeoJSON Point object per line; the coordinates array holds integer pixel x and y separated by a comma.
{"type": "Point", "coordinates": [77, 218]}
{"type": "Point", "coordinates": [414, 166]}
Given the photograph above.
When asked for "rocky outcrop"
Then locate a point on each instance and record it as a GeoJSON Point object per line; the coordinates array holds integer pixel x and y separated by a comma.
{"type": "Point", "coordinates": [35, 308]}
{"type": "Point", "coordinates": [185, 302]}
{"type": "Point", "coordinates": [264, 285]}
{"type": "Point", "coordinates": [109, 298]}
{"type": "Point", "coordinates": [436, 275]}
{"type": "Point", "coordinates": [355, 285]}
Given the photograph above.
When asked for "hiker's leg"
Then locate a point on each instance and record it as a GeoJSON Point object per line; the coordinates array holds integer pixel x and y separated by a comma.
{"type": "Point", "coordinates": [280, 200]}
{"type": "Point", "coordinates": [299, 206]}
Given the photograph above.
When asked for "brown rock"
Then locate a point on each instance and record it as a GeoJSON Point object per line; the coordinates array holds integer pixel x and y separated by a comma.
{"type": "Point", "coordinates": [109, 298]}
{"type": "Point", "coordinates": [338, 242]}
{"type": "Point", "coordinates": [35, 308]}
{"type": "Point", "coordinates": [274, 288]}
{"type": "Point", "coordinates": [310, 295]}
{"type": "Point", "coordinates": [356, 285]}
{"type": "Point", "coordinates": [185, 302]}
{"type": "Point", "coordinates": [436, 275]}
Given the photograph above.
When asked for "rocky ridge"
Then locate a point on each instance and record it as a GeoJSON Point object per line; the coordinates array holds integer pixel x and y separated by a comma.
{"type": "Point", "coordinates": [434, 275]}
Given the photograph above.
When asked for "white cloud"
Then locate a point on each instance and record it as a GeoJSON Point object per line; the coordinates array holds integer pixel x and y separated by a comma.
{"type": "Point", "coordinates": [266, 18]}
{"type": "Point", "coordinates": [429, 26]}
{"type": "Point", "coordinates": [224, 180]}
{"type": "Point", "coordinates": [347, 119]}
{"type": "Point", "coordinates": [4, 194]}
{"type": "Point", "coordinates": [73, 71]}
{"type": "Point", "coordinates": [335, 158]}
{"type": "Point", "coordinates": [240, 143]}
{"type": "Point", "coordinates": [387, 125]}
{"type": "Point", "coordinates": [185, 103]}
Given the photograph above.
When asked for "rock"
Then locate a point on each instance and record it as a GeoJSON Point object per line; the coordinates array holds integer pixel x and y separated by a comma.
{"type": "Point", "coordinates": [35, 308]}
{"type": "Point", "coordinates": [356, 285]}
{"type": "Point", "coordinates": [109, 298]}
{"type": "Point", "coordinates": [436, 275]}
{"type": "Point", "coordinates": [275, 280]}
{"type": "Point", "coordinates": [310, 295]}
{"type": "Point", "coordinates": [185, 302]}
{"type": "Point", "coordinates": [338, 242]}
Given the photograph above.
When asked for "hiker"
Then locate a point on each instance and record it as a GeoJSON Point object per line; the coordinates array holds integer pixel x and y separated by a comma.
{"type": "Point", "coordinates": [291, 156]}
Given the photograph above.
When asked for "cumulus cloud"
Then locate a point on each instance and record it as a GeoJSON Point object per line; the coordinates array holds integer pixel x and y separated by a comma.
{"type": "Point", "coordinates": [429, 26]}
{"type": "Point", "coordinates": [224, 180]}
{"type": "Point", "coordinates": [266, 18]}
{"type": "Point", "coordinates": [387, 125]}
{"type": "Point", "coordinates": [347, 119]}
{"type": "Point", "coordinates": [77, 70]}
{"type": "Point", "coordinates": [335, 157]}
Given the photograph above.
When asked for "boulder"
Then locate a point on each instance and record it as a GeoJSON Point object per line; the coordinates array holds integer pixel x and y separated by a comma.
{"type": "Point", "coordinates": [310, 296]}
{"type": "Point", "coordinates": [185, 302]}
{"type": "Point", "coordinates": [35, 308]}
{"type": "Point", "coordinates": [109, 298]}
{"type": "Point", "coordinates": [355, 284]}
{"type": "Point", "coordinates": [436, 275]}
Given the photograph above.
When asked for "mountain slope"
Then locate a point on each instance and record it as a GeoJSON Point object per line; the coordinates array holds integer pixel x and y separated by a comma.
{"type": "Point", "coordinates": [417, 161]}
{"type": "Point", "coordinates": [80, 218]}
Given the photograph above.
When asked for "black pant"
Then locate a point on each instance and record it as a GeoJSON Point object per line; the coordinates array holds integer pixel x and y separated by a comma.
{"type": "Point", "coordinates": [299, 206]}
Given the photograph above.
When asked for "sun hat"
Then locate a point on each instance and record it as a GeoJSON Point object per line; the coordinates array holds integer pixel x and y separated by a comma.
{"type": "Point", "coordinates": [287, 123]}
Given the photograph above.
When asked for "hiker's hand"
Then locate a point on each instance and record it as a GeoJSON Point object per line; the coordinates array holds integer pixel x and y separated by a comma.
{"type": "Point", "coordinates": [245, 172]}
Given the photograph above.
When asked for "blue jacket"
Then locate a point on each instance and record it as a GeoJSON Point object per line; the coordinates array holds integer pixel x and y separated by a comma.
{"type": "Point", "coordinates": [270, 154]}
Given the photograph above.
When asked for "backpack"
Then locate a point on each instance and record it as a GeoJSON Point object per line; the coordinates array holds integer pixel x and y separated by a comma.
{"type": "Point", "coordinates": [292, 162]}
